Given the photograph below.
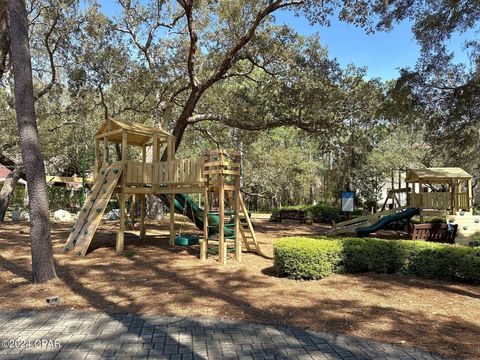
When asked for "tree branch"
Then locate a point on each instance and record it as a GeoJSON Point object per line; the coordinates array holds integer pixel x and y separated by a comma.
{"type": "Point", "coordinates": [245, 38]}
{"type": "Point", "coordinates": [50, 53]}
{"type": "Point", "coordinates": [192, 53]}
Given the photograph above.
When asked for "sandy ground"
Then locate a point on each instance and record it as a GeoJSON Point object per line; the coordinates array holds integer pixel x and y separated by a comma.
{"type": "Point", "coordinates": [153, 278]}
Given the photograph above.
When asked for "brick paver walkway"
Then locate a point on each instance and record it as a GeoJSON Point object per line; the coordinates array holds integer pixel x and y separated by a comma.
{"type": "Point", "coordinates": [81, 335]}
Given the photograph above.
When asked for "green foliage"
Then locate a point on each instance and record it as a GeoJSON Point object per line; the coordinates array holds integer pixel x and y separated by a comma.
{"type": "Point", "coordinates": [317, 213]}
{"type": "Point", "coordinates": [302, 258]}
{"type": "Point", "coordinates": [428, 220]}
{"type": "Point", "coordinates": [62, 198]}
{"type": "Point", "coordinates": [296, 258]}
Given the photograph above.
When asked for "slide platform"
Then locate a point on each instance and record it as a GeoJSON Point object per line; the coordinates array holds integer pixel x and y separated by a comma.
{"type": "Point", "coordinates": [384, 221]}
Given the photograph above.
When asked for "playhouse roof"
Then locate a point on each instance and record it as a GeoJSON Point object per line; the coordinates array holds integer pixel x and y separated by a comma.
{"type": "Point", "coordinates": [137, 134]}
{"type": "Point", "coordinates": [438, 175]}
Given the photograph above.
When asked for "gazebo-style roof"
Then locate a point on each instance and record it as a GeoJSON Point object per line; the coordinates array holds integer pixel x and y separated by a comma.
{"type": "Point", "coordinates": [138, 134]}
{"type": "Point", "coordinates": [436, 175]}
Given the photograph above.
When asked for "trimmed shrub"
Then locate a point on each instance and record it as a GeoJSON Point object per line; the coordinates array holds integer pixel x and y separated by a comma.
{"type": "Point", "coordinates": [310, 258]}
{"type": "Point", "coordinates": [318, 213]}
{"type": "Point", "coordinates": [301, 258]}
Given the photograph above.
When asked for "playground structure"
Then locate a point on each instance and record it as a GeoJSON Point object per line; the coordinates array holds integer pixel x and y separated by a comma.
{"type": "Point", "coordinates": [216, 175]}
{"type": "Point", "coordinates": [435, 192]}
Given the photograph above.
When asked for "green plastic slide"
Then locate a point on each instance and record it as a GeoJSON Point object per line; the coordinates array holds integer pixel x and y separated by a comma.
{"type": "Point", "coordinates": [184, 205]}
{"type": "Point", "coordinates": [382, 222]}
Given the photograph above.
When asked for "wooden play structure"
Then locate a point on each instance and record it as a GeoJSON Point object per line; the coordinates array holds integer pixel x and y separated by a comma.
{"type": "Point", "coordinates": [216, 176]}
{"type": "Point", "coordinates": [437, 192]}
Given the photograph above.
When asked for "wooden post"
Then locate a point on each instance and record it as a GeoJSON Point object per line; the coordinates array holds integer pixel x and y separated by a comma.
{"type": "Point", "coordinates": [469, 195]}
{"type": "Point", "coordinates": [105, 149]}
{"type": "Point", "coordinates": [236, 210]}
{"type": "Point", "coordinates": [154, 149]}
{"type": "Point", "coordinates": [170, 148]}
{"type": "Point", "coordinates": [172, 219]}
{"type": "Point", "coordinates": [204, 243]}
{"type": "Point", "coordinates": [120, 243]}
{"type": "Point", "coordinates": [96, 166]}
{"type": "Point", "coordinates": [393, 186]}
{"type": "Point", "coordinates": [453, 207]}
{"type": "Point", "coordinates": [142, 216]}
{"type": "Point", "coordinates": [222, 251]}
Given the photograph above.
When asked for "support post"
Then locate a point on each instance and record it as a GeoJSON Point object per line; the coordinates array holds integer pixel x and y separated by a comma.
{"type": "Point", "coordinates": [154, 149]}
{"type": "Point", "coordinates": [96, 166]}
{"type": "Point", "coordinates": [120, 243]}
{"type": "Point", "coordinates": [142, 216]}
{"type": "Point", "coordinates": [172, 219]}
{"type": "Point", "coordinates": [453, 207]}
{"type": "Point", "coordinates": [222, 251]}
{"type": "Point", "coordinates": [105, 149]}
{"type": "Point", "coordinates": [469, 195]}
{"type": "Point", "coordinates": [204, 243]}
{"type": "Point", "coordinates": [236, 210]}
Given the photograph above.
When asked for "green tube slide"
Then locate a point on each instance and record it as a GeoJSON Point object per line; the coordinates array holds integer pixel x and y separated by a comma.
{"type": "Point", "coordinates": [384, 221]}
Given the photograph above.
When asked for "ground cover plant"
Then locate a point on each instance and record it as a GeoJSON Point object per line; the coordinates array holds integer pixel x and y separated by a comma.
{"type": "Point", "coordinates": [315, 258]}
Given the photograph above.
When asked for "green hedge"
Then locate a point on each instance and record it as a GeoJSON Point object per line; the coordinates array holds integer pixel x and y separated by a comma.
{"type": "Point", "coordinates": [318, 213]}
{"type": "Point", "coordinates": [309, 258]}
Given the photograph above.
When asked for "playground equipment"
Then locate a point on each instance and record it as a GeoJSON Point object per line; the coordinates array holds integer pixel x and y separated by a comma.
{"type": "Point", "coordinates": [439, 192]}
{"type": "Point", "coordinates": [216, 175]}
{"type": "Point", "coordinates": [405, 214]}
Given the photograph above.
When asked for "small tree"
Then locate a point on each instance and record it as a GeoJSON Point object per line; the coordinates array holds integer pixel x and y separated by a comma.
{"type": "Point", "coordinates": [42, 257]}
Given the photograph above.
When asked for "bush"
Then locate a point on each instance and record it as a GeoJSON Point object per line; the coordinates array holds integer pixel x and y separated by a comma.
{"type": "Point", "coordinates": [308, 258]}
{"type": "Point", "coordinates": [302, 258]}
{"type": "Point", "coordinates": [318, 213]}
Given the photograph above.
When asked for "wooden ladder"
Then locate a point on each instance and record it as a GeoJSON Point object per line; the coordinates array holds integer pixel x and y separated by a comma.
{"type": "Point", "coordinates": [246, 228]}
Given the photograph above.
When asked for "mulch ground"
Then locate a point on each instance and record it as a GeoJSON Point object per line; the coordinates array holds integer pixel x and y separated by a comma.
{"type": "Point", "coordinates": [152, 277]}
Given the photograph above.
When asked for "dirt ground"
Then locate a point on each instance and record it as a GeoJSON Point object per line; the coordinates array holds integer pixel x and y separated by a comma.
{"type": "Point", "coordinates": [153, 278]}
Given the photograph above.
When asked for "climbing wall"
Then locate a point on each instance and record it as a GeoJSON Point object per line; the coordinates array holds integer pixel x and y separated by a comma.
{"type": "Point", "coordinates": [468, 227]}
{"type": "Point", "coordinates": [92, 212]}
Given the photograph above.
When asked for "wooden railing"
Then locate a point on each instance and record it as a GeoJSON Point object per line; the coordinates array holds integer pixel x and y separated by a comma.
{"type": "Point", "coordinates": [178, 172]}
{"type": "Point", "coordinates": [438, 200]}
{"type": "Point", "coordinates": [461, 201]}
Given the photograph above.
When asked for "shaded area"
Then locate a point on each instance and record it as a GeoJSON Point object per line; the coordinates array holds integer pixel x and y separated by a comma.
{"type": "Point", "coordinates": [154, 278]}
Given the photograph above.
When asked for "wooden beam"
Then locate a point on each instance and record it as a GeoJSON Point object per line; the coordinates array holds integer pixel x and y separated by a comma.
{"type": "Point", "coordinates": [236, 210]}
{"type": "Point", "coordinates": [109, 133]}
{"type": "Point", "coordinates": [68, 179]}
{"type": "Point", "coordinates": [142, 216]}
{"type": "Point", "coordinates": [96, 165]}
{"type": "Point", "coordinates": [105, 150]}
{"type": "Point", "coordinates": [120, 243]}
{"type": "Point", "coordinates": [222, 251]}
{"type": "Point", "coordinates": [154, 149]}
{"type": "Point", "coordinates": [470, 197]}
{"type": "Point", "coordinates": [204, 243]}
{"type": "Point", "coordinates": [172, 219]}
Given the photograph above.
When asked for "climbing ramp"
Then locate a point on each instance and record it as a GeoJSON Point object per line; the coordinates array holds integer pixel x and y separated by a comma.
{"type": "Point", "coordinates": [94, 208]}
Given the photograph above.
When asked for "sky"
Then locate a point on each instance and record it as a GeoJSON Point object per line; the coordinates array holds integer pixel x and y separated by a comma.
{"type": "Point", "coordinates": [382, 53]}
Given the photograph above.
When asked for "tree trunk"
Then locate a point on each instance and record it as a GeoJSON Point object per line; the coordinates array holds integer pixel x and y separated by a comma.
{"type": "Point", "coordinates": [4, 37]}
{"type": "Point", "coordinates": [7, 191]}
{"type": "Point", "coordinates": [43, 268]}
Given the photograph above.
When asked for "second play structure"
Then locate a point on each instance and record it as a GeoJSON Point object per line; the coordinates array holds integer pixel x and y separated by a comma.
{"type": "Point", "coordinates": [216, 176]}
{"type": "Point", "coordinates": [439, 192]}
